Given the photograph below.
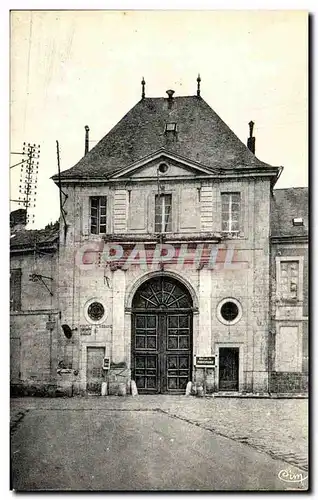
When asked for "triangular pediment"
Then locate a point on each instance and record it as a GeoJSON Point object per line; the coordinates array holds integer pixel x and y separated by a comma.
{"type": "Point", "coordinates": [166, 164]}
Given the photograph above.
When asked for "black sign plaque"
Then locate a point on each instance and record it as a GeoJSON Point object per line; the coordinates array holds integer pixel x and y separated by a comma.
{"type": "Point", "coordinates": [205, 361]}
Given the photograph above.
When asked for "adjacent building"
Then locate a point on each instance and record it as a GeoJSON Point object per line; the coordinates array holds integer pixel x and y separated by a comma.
{"type": "Point", "coordinates": [176, 260]}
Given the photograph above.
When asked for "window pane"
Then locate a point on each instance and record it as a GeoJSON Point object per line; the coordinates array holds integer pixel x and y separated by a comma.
{"type": "Point", "coordinates": [235, 207]}
{"type": "Point", "coordinates": [103, 201]}
{"type": "Point", "coordinates": [157, 222]}
{"type": "Point", "coordinates": [158, 199]}
{"type": "Point", "coordinates": [168, 221]}
{"type": "Point", "coordinates": [225, 197]}
{"type": "Point", "coordinates": [235, 197]}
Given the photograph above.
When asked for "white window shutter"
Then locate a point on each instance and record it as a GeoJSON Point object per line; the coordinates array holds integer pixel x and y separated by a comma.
{"type": "Point", "coordinates": [120, 211]}
{"type": "Point", "coordinates": [206, 208]}
{"type": "Point", "coordinates": [85, 216]}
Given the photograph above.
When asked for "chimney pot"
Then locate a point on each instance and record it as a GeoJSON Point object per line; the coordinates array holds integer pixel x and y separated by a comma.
{"type": "Point", "coordinates": [170, 93]}
{"type": "Point", "coordinates": [86, 139]}
{"type": "Point", "coordinates": [251, 125]}
{"type": "Point", "coordinates": [170, 98]}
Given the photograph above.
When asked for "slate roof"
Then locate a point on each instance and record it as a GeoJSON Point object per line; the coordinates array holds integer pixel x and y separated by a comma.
{"type": "Point", "coordinates": [201, 137]}
{"type": "Point", "coordinates": [27, 238]}
{"type": "Point", "coordinates": [287, 204]}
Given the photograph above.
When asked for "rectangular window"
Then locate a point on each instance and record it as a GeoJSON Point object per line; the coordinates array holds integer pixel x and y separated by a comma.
{"type": "Point", "coordinates": [289, 279]}
{"type": "Point", "coordinates": [15, 289]}
{"type": "Point", "coordinates": [163, 216]}
{"type": "Point", "coordinates": [231, 210]}
{"type": "Point", "coordinates": [98, 214]}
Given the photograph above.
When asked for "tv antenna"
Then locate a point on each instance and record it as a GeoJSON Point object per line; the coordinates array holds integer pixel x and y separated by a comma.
{"type": "Point", "coordinates": [28, 178]}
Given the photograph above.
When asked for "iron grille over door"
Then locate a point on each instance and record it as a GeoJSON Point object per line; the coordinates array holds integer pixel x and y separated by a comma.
{"type": "Point", "coordinates": [162, 336]}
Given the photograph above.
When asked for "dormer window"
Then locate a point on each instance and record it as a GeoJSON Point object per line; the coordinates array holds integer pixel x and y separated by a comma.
{"type": "Point", "coordinates": [298, 221]}
{"type": "Point", "coordinates": [171, 127]}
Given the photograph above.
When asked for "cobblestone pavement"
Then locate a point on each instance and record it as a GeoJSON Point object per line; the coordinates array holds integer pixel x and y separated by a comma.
{"type": "Point", "coordinates": [278, 427]}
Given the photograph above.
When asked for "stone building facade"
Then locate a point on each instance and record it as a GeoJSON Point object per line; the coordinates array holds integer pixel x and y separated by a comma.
{"type": "Point", "coordinates": [34, 315]}
{"type": "Point", "coordinates": [173, 265]}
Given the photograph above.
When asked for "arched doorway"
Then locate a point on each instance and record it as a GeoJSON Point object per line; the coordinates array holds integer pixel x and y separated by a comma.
{"type": "Point", "coordinates": [161, 344]}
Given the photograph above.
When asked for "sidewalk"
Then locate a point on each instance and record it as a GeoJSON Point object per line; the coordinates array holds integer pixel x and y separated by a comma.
{"type": "Point", "coordinates": [278, 427]}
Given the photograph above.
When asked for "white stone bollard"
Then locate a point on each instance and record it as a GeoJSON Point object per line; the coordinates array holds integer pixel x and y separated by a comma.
{"type": "Point", "coordinates": [188, 389]}
{"type": "Point", "coordinates": [134, 390]}
{"type": "Point", "coordinates": [104, 388]}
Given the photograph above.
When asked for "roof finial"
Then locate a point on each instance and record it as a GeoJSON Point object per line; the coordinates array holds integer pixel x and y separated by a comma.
{"type": "Point", "coordinates": [143, 83]}
{"type": "Point", "coordinates": [251, 139]}
{"type": "Point", "coordinates": [198, 88]}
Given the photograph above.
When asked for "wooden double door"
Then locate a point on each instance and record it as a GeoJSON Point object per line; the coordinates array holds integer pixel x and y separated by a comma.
{"type": "Point", "coordinates": [162, 338]}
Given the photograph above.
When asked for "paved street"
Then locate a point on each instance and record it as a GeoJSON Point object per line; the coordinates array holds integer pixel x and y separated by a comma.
{"type": "Point", "coordinates": [158, 443]}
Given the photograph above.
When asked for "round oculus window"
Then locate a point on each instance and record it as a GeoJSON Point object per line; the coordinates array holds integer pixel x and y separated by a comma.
{"type": "Point", "coordinates": [229, 311]}
{"type": "Point", "coordinates": [96, 311]}
{"type": "Point", "coordinates": [163, 167]}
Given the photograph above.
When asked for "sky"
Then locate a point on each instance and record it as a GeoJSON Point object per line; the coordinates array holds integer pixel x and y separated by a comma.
{"type": "Point", "coordinates": [75, 68]}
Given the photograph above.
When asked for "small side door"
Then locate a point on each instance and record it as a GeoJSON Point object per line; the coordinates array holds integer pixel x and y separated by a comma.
{"type": "Point", "coordinates": [94, 370]}
{"type": "Point", "coordinates": [229, 369]}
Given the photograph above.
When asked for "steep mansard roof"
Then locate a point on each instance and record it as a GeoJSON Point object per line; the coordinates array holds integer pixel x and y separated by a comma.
{"type": "Point", "coordinates": [287, 204]}
{"type": "Point", "coordinates": [201, 137]}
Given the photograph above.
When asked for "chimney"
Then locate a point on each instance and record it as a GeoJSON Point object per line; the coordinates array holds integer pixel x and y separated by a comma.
{"type": "Point", "coordinates": [18, 219]}
{"type": "Point", "coordinates": [170, 97]}
{"type": "Point", "coordinates": [86, 139]}
{"type": "Point", "coordinates": [251, 139]}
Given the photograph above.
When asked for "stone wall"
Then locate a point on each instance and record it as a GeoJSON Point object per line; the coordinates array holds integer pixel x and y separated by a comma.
{"type": "Point", "coordinates": [34, 330]}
